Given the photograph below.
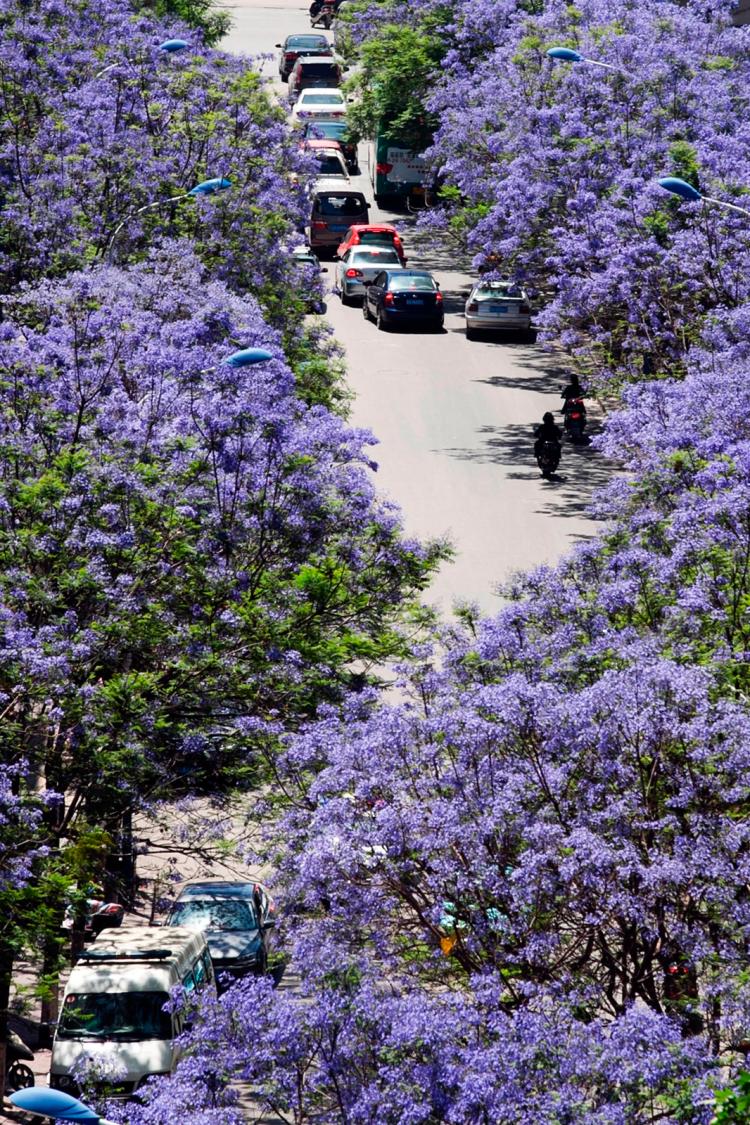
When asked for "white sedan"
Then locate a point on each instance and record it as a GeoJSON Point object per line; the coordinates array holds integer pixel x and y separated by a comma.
{"type": "Point", "coordinates": [360, 264]}
{"type": "Point", "coordinates": [497, 306]}
{"type": "Point", "coordinates": [318, 103]}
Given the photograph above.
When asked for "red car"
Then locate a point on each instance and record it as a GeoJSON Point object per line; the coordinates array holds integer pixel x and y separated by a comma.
{"type": "Point", "coordinates": [372, 235]}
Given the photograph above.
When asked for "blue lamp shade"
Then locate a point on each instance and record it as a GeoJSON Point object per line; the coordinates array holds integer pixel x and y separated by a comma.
{"type": "Point", "coordinates": [208, 187]}
{"type": "Point", "coordinates": [172, 45]}
{"type": "Point", "coordinates": [565, 54]}
{"type": "Point", "coordinates": [53, 1103]}
{"type": "Point", "coordinates": [247, 356]}
{"type": "Point", "coordinates": [681, 188]}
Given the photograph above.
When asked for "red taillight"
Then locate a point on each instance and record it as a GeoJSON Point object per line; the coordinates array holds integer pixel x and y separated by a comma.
{"type": "Point", "coordinates": [388, 299]}
{"type": "Point", "coordinates": [438, 298]}
{"type": "Point", "coordinates": [353, 273]}
{"type": "Point", "coordinates": [473, 307]}
{"type": "Point", "coordinates": [289, 55]}
{"type": "Point", "coordinates": [383, 169]}
{"type": "Point", "coordinates": [524, 308]}
{"type": "Point", "coordinates": [318, 224]}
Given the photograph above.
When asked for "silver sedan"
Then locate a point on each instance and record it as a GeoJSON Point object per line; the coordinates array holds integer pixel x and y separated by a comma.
{"type": "Point", "coordinates": [360, 264]}
{"type": "Point", "coordinates": [497, 306]}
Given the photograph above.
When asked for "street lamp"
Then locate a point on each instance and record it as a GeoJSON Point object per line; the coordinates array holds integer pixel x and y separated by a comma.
{"type": "Point", "coordinates": [567, 54]}
{"type": "Point", "coordinates": [206, 187]}
{"type": "Point", "coordinates": [55, 1104]}
{"type": "Point", "coordinates": [246, 356]}
{"type": "Point", "coordinates": [686, 191]}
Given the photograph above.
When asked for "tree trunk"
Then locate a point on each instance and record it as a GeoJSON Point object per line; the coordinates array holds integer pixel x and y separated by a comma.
{"type": "Point", "coordinates": [6, 972]}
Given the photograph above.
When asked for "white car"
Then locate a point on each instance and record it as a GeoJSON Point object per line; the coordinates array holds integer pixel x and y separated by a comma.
{"type": "Point", "coordinates": [497, 306]}
{"type": "Point", "coordinates": [318, 103]}
{"type": "Point", "coordinates": [360, 264]}
{"type": "Point", "coordinates": [331, 163]}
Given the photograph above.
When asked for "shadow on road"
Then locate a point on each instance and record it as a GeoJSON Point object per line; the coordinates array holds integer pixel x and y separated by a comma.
{"type": "Point", "coordinates": [581, 474]}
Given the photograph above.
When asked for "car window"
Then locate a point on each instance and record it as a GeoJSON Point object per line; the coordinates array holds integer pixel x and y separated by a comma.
{"type": "Point", "coordinates": [383, 238]}
{"type": "Point", "coordinates": [207, 965]}
{"type": "Point", "coordinates": [379, 279]}
{"type": "Point", "coordinates": [324, 69]}
{"type": "Point", "coordinates": [188, 982]}
{"type": "Point", "coordinates": [400, 284]}
{"type": "Point", "coordinates": [310, 98]}
{"type": "Point", "coordinates": [340, 205]}
{"type": "Point", "coordinates": [214, 914]}
{"type": "Point", "coordinates": [375, 257]}
{"type": "Point", "coordinates": [329, 166]}
{"type": "Point", "coordinates": [306, 41]}
{"type": "Point", "coordinates": [199, 972]}
{"type": "Point", "coordinates": [498, 289]}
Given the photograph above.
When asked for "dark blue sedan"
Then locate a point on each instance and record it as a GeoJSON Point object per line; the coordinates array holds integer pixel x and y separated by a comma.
{"type": "Point", "coordinates": [410, 297]}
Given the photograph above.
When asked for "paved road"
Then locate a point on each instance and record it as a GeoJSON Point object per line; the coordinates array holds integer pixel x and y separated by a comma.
{"type": "Point", "coordinates": [453, 418]}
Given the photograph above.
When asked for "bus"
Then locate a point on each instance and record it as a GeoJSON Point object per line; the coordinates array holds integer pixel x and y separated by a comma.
{"type": "Point", "coordinates": [398, 172]}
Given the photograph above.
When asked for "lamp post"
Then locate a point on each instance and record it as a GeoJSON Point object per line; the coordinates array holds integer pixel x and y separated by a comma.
{"type": "Point", "coordinates": [168, 47]}
{"type": "Point", "coordinates": [567, 54]}
{"type": "Point", "coordinates": [55, 1104]}
{"type": "Point", "coordinates": [205, 187]}
{"type": "Point", "coordinates": [686, 191]}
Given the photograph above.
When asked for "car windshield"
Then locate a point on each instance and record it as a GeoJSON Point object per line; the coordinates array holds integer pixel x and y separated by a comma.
{"type": "Point", "coordinates": [115, 1015]}
{"type": "Point", "coordinates": [216, 914]}
{"type": "Point", "coordinates": [375, 258]}
{"type": "Point", "coordinates": [498, 289]}
{"type": "Point", "coordinates": [340, 204]}
{"type": "Point", "coordinates": [331, 129]}
{"type": "Point", "coordinates": [329, 166]}
{"type": "Point", "coordinates": [321, 99]}
{"type": "Point", "coordinates": [425, 284]}
{"type": "Point", "coordinates": [318, 69]}
{"type": "Point", "coordinates": [297, 41]}
{"type": "Point", "coordinates": [381, 237]}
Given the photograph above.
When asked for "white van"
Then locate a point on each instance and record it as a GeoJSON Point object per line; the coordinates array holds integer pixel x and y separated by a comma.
{"type": "Point", "coordinates": [113, 1006]}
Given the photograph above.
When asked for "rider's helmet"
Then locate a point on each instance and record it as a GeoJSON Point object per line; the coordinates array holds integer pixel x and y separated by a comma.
{"type": "Point", "coordinates": [548, 418]}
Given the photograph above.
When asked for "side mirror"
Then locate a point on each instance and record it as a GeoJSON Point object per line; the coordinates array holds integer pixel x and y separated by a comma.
{"type": "Point", "coordinates": [269, 924]}
{"type": "Point", "coordinates": [277, 44]}
{"type": "Point", "coordinates": [324, 269]}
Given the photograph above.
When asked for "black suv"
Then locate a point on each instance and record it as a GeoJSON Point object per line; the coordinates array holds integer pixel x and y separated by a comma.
{"type": "Point", "coordinates": [296, 45]}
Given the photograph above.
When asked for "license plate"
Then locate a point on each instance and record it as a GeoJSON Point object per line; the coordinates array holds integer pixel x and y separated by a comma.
{"type": "Point", "coordinates": [417, 190]}
{"type": "Point", "coordinates": [498, 308]}
{"type": "Point", "coordinates": [338, 226]}
{"type": "Point", "coordinates": [414, 301]}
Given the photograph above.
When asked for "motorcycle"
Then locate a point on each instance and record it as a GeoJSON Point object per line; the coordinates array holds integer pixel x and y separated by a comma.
{"type": "Point", "coordinates": [574, 413]}
{"type": "Point", "coordinates": [99, 916]}
{"type": "Point", "coordinates": [323, 17]}
{"type": "Point", "coordinates": [548, 458]}
{"type": "Point", "coordinates": [18, 1074]}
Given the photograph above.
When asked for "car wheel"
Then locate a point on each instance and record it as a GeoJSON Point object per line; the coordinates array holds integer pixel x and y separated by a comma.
{"type": "Point", "coordinates": [470, 334]}
{"type": "Point", "coordinates": [345, 298]}
{"type": "Point", "coordinates": [365, 309]}
{"type": "Point", "coordinates": [380, 321]}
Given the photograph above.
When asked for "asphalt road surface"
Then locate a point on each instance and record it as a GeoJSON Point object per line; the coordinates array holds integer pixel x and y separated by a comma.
{"type": "Point", "coordinates": [454, 418]}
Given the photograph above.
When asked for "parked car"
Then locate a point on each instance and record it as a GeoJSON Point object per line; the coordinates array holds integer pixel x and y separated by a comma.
{"type": "Point", "coordinates": [310, 270]}
{"type": "Point", "coordinates": [296, 45]}
{"type": "Point", "coordinates": [330, 159]}
{"type": "Point", "coordinates": [410, 297]}
{"type": "Point", "coordinates": [497, 306]}
{"type": "Point", "coordinates": [334, 131]}
{"type": "Point", "coordinates": [359, 265]}
{"type": "Point", "coordinates": [237, 920]}
{"type": "Point", "coordinates": [334, 209]}
{"type": "Point", "coordinates": [381, 234]}
{"type": "Point", "coordinates": [319, 103]}
{"type": "Point", "coordinates": [313, 70]}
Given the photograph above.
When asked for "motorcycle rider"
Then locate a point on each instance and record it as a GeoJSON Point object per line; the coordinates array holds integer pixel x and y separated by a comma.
{"type": "Point", "coordinates": [548, 431]}
{"type": "Point", "coordinates": [571, 391]}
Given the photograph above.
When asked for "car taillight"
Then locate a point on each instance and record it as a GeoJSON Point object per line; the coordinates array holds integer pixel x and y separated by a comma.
{"type": "Point", "coordinates": [388, 299]}
{"type": "Point", "coordinates": [353, 273]}
{"type": "Point", "coordinates": [318, 224]}
{"type": "Point", "coordinates": [289, 55]}
{"type": "Point", "coordinates": [473, 307]}
{"type": "Point", "coordinates": [383, 169]}
{"type": "Point", "coordinates": [524, 308]}
{"type": "Point", "coordinates": [438, 298]}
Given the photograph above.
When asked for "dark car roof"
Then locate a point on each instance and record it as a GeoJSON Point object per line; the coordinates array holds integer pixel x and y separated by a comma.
{"type": "Point", "coordinates": [217, 889]}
